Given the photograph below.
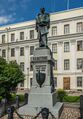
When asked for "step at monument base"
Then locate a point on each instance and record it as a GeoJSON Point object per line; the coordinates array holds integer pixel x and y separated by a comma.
{"type": "Point", "coordinates": [33, 111]}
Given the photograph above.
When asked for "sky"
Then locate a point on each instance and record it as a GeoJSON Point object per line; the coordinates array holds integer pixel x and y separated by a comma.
{"type": "Point", "coordinates": [14, 11]}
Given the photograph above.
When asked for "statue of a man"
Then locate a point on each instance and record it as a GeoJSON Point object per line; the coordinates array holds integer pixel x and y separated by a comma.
{"type": "Point", "coordinates": [42, 26]}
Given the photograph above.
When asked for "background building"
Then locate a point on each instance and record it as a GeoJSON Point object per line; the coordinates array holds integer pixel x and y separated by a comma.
{"type": "Point", "coordinates": [65, 39]}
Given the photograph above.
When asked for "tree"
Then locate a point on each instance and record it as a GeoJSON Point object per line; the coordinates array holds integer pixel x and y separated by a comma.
{"type": "Point", "coordinates": [10, 76]}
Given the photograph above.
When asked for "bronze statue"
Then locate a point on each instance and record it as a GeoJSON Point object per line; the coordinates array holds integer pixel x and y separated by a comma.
{"type": "Point", "coordinates": [42, 26]}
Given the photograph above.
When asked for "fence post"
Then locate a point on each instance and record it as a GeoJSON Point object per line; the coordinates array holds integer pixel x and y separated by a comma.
{"type": "Point", "coordinates": [45, 113]}
{"type": "Point", "coordinates": [10, 112]}
{"type": "Point", "coordinates": [4, 101]}
{"type": "Point", "coordinates": [81, 106]}
{"type": "Point", "coordinates": [26, 98]}
{"type": "Point", "coordinates": [17, 101]}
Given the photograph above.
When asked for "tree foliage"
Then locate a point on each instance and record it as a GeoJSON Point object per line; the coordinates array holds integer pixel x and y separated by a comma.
{"type": "Point", "coordinates": [10, 76]}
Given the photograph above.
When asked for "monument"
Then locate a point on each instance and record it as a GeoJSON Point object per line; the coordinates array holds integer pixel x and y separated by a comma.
{"type": "Point", "coordinates": [42, 94]}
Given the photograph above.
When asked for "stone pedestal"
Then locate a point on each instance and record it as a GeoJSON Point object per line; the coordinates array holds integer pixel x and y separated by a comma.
{"type": "Point", "coordinates": [42, 96]}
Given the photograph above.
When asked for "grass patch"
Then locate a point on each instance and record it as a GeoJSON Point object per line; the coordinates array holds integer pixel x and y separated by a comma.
{"type": "Point", "coordinates": [71, 98]}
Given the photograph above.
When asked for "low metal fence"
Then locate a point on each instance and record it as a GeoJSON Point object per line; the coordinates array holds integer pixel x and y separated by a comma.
{"type": "Point", "coordinates": [5, 105]}
{"type": "Point", "coordinates": [44, 114]}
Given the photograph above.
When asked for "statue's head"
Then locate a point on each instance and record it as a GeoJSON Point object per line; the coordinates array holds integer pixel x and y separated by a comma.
{"type": "Point", "coordinates": [42, 10]}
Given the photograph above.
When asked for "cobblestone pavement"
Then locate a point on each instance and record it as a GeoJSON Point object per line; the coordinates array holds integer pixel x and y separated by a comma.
{"type": "Point", "coordinates": [68, 113]}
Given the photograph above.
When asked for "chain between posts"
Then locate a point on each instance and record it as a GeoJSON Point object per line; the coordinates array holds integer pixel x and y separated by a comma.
{"type": "Point", "coordinates": [44, 113]}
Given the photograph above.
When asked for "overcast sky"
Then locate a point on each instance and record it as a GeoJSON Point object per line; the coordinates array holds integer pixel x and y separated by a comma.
{"type": "Point", "coordinates": [13, 11]}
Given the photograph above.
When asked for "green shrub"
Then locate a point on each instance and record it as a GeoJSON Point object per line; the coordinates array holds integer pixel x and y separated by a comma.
{"type": "Point", "coordinates": [13, 97]}
{"type": "Point", "coordinates": [71, 98]}
{"type": "Point", "coordinates": [61, 93]}
{"type": "Point", "coordinates": [0, 98]}
{"type": "Point", "coordinates": [21, 98]}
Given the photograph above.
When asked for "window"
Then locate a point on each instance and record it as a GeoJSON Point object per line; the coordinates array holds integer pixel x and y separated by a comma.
{"type": "Point", "coordinates": [31, 67]}
{"type": "Point", "coordinates": [66, 47]}
{"type": "Point", "coordinates": [22, 51]}
{"type": "Point", "coordinates": [66, 64]}
{"type": "Point", "coordinates": [3, 38]}
{"type": "Point", "coordinates": [79, 27]}
{"type": "Point", "coordinates": [79, 81]}
{"type": "Point", "coordinates": [31, 34]}
{"type": "Point", "coordinates": [55, 67]}
{"type": "Point", "coordinates": [54, 48]}
{"type": "Point", "coordinates": [21, 35]}
{"type": "Point", "coordinates": [31, 81]}
{"type": "Point", "coordinates": [66, 29]}
{"type": "Point", "coordinates": [12, 52]}
{"type": "Point", "coordinates": [12, 37]}
{"type": "Point", "coordinates": [22, 66]}
{"type": "Point", "coordinates": [79, 63]}
{"type": "Point", "coordinates": [54, 31]}
{"type": "Point", "coordinates": [3, 53]}
{"type": "Point", "coordinates": [31, 50]}
{"type": "Point", "coordinates": [79, 45]}
{"type": "Point", "coordinates": [22, 84]}
{"type": "Point", "coordinates": [55, 81]}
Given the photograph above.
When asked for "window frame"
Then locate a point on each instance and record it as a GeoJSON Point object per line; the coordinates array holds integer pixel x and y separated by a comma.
{"type": "Point", "coordinates": [79, 64]}
{"type": "Point", "coordinates": [66, 64]}
{"type": "Point", "coordinates": [22, 84]}
{"type": "Point", "coordinates": [12, 38]}
{"type": "Point", "coordinates": [12, 52]}
{"type": "Point", "coordinates": [32, 50]}
{"type": "Point", "coordinates": [55, 65]}
{"type": "Point", "coordinates": [22, 35]}
{"type": "Point", "coordinates": [79, 27]}
{"type": "Point", "coordinates": [66, 47]}
{"type": "Point", "coordinates": [22, 66]}
{"type": "Point", "coordinates": [80, 45]}
{"type": "Point", "coordinates": [31, 67]}
{"type": "Point", "coordinates": [21, 51]}
{"type": "Point", "coordinates": [3, 53]}
{"type": "Point", "coordinates": [67, 29]}
{"type": "Point", "coordinates": [54, 30]}
{"type": "Point", "coordinates": [79, 81]}
{"type": "Point", "coordinates": [54, 48]}
{"type": "Point", "coordinates": [31, 35]}
{"type": "Point", "coordinates": [3, 38]}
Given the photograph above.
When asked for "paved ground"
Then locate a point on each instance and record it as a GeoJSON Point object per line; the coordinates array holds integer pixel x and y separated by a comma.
{"type": "Point", "coordinates": [68, 113]}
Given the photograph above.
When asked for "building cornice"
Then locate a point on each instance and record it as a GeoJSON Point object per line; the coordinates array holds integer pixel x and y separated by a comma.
{"type": "Point", "coordinates": [52, 38]}
{"type": "Point", "coordinates": [69, 73]}
{"type": "Point", "coordinates": [67, 36]}
{"type": "Point", "coordinates": [67, 20]}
